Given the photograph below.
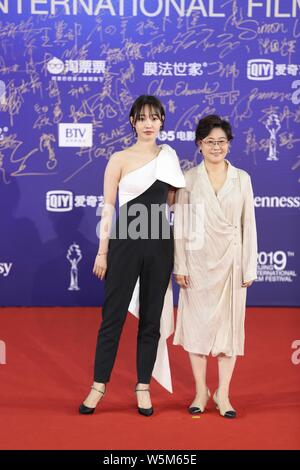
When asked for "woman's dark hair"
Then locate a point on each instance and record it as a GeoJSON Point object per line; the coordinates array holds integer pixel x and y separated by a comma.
{"type": "Point", "coordinates": [152, 102]}
{"type": "Point", "coordinates": [208, 123]}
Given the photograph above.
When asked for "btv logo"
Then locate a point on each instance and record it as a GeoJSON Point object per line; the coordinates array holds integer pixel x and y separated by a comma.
{"type": "Point", "coordinates": [260, 69]}
{"type": "Point", "coordinates": [59, 201]}
{"type": "Point", "coordinates": [75, 135]}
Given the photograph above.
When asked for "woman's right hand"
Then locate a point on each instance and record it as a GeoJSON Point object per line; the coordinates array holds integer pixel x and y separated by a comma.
{"type": "Point", "coordinates": [182, 281]}
{"type": "Point", "coordinates": [100, 266]}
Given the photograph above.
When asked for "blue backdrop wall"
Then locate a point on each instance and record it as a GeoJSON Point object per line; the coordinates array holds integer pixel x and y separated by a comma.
{"type": "Point", "coordinates": [69, 72]}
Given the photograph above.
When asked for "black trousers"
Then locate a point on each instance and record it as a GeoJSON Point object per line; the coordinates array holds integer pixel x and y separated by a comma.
{"type": "Point", "coordinates": [152, 261]}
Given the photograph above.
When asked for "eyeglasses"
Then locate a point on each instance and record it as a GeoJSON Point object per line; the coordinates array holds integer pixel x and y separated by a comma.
{"type": "Point", "coordinates": [211, 143]}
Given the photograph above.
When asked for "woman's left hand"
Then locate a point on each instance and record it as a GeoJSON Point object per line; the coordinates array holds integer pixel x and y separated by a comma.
{"type": "Point", "coordinates": [247, 284]}
{"type": "Point", "coordinates": [182, 281]}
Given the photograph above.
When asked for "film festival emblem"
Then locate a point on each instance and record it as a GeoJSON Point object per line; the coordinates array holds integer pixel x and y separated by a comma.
{"type": "Point", "coordinates": [74, 256]}
{"type": "Point", "coordinates": [273, 125]}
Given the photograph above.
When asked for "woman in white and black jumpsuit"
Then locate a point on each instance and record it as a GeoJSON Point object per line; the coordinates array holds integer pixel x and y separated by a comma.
{"type": "Point", "coordinates": [140, 250]}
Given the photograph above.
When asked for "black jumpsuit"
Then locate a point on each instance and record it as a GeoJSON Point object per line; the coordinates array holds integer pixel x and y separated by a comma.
{"type": "Point", "coordinates": [141, 246]}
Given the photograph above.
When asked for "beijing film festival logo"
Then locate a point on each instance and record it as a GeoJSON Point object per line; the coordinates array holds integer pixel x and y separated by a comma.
{"type": "Point", "coordinates": [260, 69]}
{"type": "Point", "coordinates": [74, 256]}
{"type": "Point", "coordinates": [273, 125]}
{"type": "Point", "coordinates": [2, 352]}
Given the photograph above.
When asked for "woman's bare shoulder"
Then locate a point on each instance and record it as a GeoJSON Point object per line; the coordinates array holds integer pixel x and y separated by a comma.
{"type": "Point", "coordinates": [118, 158]}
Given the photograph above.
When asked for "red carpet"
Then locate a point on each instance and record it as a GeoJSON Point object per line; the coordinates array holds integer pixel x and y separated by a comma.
{"type": "Point", "coordinates": [48, 371]}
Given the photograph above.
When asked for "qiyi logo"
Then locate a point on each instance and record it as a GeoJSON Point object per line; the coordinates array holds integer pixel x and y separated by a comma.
{"type": "Point", "coordinates": [59, 201]}
{"type": "Point", "coordinates": [260, 69]}
{"type": "Point", "coordinates": [2, 93]}
{"type": "Point", "coordinates": [75, 135]}
{"type": "Point", "coordinates": [5, 269]}
{"type": "Point", "coordinates": [296, 354]}
{"type": "Point", "coordinates": [2, 352]}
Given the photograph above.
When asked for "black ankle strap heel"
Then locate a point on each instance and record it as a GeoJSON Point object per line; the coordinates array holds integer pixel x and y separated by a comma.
{"type": "Point", "coordinates": [86, 410]}
{"type": "Point", "coordinates": [144, 411]}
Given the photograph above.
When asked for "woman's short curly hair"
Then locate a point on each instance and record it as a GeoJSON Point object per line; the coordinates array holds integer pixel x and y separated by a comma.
{"type": "Point", "coordinates": [208, 123]}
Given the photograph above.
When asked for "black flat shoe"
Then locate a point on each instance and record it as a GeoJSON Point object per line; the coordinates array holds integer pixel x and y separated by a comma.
{"type": "Point", "coordinates": [230, 414]}
{"type": "Point", "coordinates": [85, 410]}
{"type": "Point", "coordinates": [195, 410]}
{"type": "Point", "coordinates": [145, 411]}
